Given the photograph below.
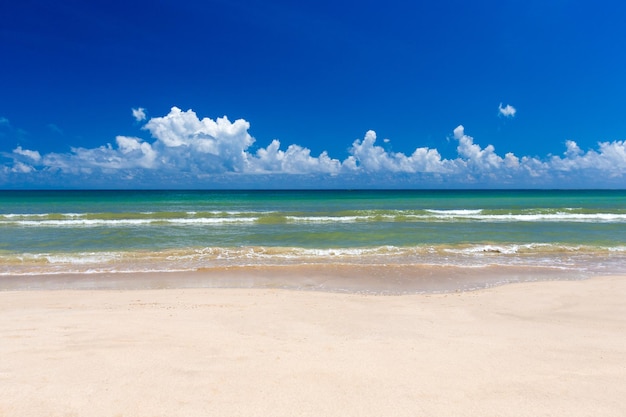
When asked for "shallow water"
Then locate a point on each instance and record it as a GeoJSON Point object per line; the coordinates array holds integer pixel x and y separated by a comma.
{"type": "Point", "coordinates": [524, 235]}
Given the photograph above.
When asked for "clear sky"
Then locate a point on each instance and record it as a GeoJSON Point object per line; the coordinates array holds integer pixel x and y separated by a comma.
{"type": "Point", "coordinates": [342, 94]}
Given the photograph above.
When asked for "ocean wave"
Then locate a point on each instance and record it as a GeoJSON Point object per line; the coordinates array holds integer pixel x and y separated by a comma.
{"type": "Point", "coordinates": [554, 217]}
{"type": "Point", "coordinates": [528, 248]}
{"type": "Point", "coordinates": [464, 212]}
{"type": "Point", "coordinates": [272, 217]}
{"type": "Point", "coordinates": [579, 258]}
{"type": "Point", "coordinates": [78, 222]}
{"type": "Point", "coordinates": [327, 219]}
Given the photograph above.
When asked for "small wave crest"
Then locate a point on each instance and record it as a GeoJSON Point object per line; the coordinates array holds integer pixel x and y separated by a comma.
{"type": "Point", "coordinates": [193, 259]}
{"type": "Point", "coordinates": [455, 212]}
{"type": "Point", "coordinates": [216, 218]}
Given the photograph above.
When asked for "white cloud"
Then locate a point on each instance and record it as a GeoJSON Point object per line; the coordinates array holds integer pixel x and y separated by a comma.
{"type": "Point", "coordinates": [295, 160]}
{"type": "Point", "coordinates": [34, 155]}
{"type": "Point", "coordinates": [186, 150]}
{"type": "Point", "coordinates": [478, 163]}
{"type": "Point", "coordinates": [139, 114]}
{"type": "Point", "coordinates": [22, 168]}
{"type": "Point", "coordinates": [476, 157]}
{"type": "Point", "coordinates": [218, 143]}
{"type": "Point", "coordinates": [372, 158]}
{"type": "Point", "coordinates": [609, 159]}
{"type": "Point", "coordinates": [142, 152]}
{"type": "Point", "coordinates": [507, 111]}
{"type": "Point", "coordinates": [131, 153]}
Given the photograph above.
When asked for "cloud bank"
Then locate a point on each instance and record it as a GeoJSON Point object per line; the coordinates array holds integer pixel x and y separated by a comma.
{"type": "Point", "coordinates": [191, 152]}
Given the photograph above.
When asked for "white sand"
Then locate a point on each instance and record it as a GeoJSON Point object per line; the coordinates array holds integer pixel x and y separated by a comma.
{"type": "Point", "coordinates": [534, 349]}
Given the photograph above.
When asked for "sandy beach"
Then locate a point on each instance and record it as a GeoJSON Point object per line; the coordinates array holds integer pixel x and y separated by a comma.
{"type": "Point", "coordinates": [532, 349]}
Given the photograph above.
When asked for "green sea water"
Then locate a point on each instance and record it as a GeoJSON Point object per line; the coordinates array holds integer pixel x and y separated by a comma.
{"type": "Point", "coordinates": [51, 232]}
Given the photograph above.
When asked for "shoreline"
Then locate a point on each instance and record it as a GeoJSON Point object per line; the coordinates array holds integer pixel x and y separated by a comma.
{"type": "Point", "coordinates": [540, 348]}
{"type": "Point", "coordinates": [335, 278]}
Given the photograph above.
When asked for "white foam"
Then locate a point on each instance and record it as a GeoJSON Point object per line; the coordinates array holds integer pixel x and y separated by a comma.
{"type": "Point", "coordinates": [486, 249]}
{"type": "Point", "coordinates": [558, 217]}
{"type": "Point", "coordinates": [327, 219]}
{"type": "Point", "coordinates": [529, 217]}
{"type": "Point", "coordinates": [130, 222]}
{"type": "Point", "coordinates": [189, 259]}
{"type": "Point", "coordinates": [456, 212]}
{"type": "Point", "coordinates": [618, 249]}
{"type": "Point", "coordinates": [191, 217]}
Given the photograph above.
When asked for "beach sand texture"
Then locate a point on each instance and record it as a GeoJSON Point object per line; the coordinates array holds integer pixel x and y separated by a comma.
{"type": "Point", "coordinates": [531, 349]}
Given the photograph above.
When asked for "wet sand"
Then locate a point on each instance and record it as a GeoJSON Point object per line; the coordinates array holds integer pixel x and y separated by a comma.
{"type": "Point", "coordinates": [532, 349]}
{"type": "Point", "coordinates": [388, 279]}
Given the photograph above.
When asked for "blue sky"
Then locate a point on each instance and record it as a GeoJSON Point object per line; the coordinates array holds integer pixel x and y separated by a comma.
{"type": "Point", "coordinates": [277, 94]}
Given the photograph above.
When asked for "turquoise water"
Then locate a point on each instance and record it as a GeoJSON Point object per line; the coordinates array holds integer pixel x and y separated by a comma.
{"type": "Point", "coordinates": [50, 232]}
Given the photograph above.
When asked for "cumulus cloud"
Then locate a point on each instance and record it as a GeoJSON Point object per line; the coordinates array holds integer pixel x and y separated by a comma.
{"type": "Point", "coordinates": [188, 151]}
{"type": "Point", "coordinates": [367, 156]}
{"type": "Point", "coordinates": [215, 145]}
{"type": "Point", "coordinates": [609, 159]}
{"type": "Point", "coordinates": [482, 159]}
{"type": "Point", "coordinates": [507, 111]}
{"type": "Point", "coordinates": [21, 168]}
{"type": "Point", "coordinates": [295, 160]}
{"type": "Point", "coordinates": [34, 155]}
{"type": "Point", "coordinates": [24, 161]}
{"type": "Point", "coordinates": [139, 114]}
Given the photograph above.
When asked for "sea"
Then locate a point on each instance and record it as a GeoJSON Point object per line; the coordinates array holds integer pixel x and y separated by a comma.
{"type": "Point", "coordinates": [387, 240]}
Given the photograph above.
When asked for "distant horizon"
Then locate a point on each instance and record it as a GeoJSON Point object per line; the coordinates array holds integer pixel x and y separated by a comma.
{"type": "Point", "coordinates": [315, 189]}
